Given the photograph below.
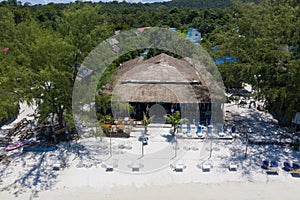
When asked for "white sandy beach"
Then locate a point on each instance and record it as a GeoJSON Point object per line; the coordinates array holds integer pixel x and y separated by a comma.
{"type": "Point", "coordinates": [226, 191]}
{"type": "Point", "coordinates": [30, 175]}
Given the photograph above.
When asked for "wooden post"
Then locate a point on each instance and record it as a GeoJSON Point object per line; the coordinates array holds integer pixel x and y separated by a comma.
{"type": "Point", "coordinates": [246, 151]}
{"type": "Point", "coordinates": [175, 145]}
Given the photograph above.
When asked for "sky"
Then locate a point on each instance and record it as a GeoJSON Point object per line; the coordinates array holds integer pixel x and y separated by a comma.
{"type": "Point", "coordinates": [67, 1]}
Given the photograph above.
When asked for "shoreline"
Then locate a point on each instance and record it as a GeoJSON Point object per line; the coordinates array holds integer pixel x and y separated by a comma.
{"type": "Point", "coordinates": [244, 190]}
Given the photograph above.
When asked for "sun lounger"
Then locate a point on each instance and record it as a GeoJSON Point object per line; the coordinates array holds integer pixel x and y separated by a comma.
{"type": "Point", "coordinates": [295, 166]}
{"type": "Point", "coordinates": [189, 131]}
{"type": "Point", "coordinates": [233, 131]}
{"type": "Point", "coordinates": [270, 167]}
{"type": "Point", "coordinates": [287, 166]}
{"type": "Point", "coordinates": [179, 134]}
{"type": "Point", "coordinates": [199, 129]}
{"type": "Point", "coordinates": [209, 129]}
{"type": "Point", "coordinates": [109, 168]}
{"type": "Point", "coordinates": [135, 168]}
{"type": "Point", "coordinates": [232, 167]}
{"type": "Point", "coordinates": [179, 129]}
{"type": "Point", "coordinates": [274, 164]}
{"type": "Point", "coordinates": [295, 173]}
{"type": "Point", "coordinates": [179, 168]}
{"type": "Point", "coordinates": [199, 132]}
{"type": "Point", "coordinates": [220, 130]}
{"type": "Point", "coordinates": [110, 165]}
{"type": "Point", "coordinates": [273, 168]}
{"type": "Point", "coordinates": [184, 128]}
{"type": "Point", "coordinates": [193, 128]}
{"type": "Point", "coordinates": [295, 170]}
{"type": "Point", "coordinates": [265, 164]}
{"type": "Point", "coordinates": [56, 167]}
{"type": "Point", "coordinates": [206, 167]}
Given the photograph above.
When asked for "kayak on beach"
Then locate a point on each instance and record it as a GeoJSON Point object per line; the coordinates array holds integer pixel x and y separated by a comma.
{"type": "Point", "coordinates": [16, 145]}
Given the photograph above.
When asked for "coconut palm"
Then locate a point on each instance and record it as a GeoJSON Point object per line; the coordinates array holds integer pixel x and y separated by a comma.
{"type": "Point", "coordinates": [147, 121]}
{"type": "Point", "coordinates": [175, 120]}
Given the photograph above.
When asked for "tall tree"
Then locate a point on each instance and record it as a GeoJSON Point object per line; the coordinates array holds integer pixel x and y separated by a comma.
{"type": "Point", "coordinates": [55, 78]}
{"type": "Point", "coordinates": [8, 73]}
{"type": "Point", "coordinates": [265, 37]}
{"type": "Point", "coordinates": [175, 121]}
{"type": "Point", "coordinates": [146, 121]}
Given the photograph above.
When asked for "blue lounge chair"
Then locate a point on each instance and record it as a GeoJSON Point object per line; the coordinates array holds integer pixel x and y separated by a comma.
{"type": "Point", "coordinates": [199, 132]}
{"type": "Point", "coordinates": [287, 166]}
{"type": "Point", "coordinates": [296, 166]}
{"type": "Point", "coordinates": [271, 167]}
{"type": "Point", "coordinates": [233, 131]}
{"type": "Point", "coordinates": [188, 129]}
{"type": "Point", "coordinates": [265, 164]}
{"type": "Point", "coordinates": [295, 170]}
{"type": "Point", "coordinates": [274, 164]}
{"type": "Point", "coordinates": [199, 129]}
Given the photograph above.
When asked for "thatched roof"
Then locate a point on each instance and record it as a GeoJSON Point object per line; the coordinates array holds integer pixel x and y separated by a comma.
{"type": "Point", "coordinates": [160, 79]}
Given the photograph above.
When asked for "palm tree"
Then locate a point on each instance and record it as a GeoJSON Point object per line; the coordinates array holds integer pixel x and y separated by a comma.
{"type": "Point", "coordinates": [175, 120]}
{"type": "Point", "coordinates": [147, 121]}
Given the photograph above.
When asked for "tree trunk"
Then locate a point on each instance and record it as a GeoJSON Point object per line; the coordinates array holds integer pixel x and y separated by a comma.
{"type": "Point", "coordinates": [60, 118]}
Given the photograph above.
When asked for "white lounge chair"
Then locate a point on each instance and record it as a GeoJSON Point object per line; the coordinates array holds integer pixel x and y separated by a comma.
{"type": "Point", "coordinates": [232, 167]}
{"type": "Point", "coordinates": [209, 129]}
{"type": "Point", "coordinates": [206, 167]}
{"type": "Point", "coordinates": [109, 168]}
{"type": "Point", "coordinates": [189, 131]}
{"type": "Point", "coordinates": [179, 131]}
{"type": "Point", "coordinates": [184, 128]}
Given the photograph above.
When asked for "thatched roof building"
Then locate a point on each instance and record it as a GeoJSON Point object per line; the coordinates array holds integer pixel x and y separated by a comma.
{"type": "Point", "coordinates": [160, 79]}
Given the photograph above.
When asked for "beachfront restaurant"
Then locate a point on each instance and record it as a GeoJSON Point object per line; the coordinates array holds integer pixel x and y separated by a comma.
{"type": "Point", "coordinates": [162, 85]}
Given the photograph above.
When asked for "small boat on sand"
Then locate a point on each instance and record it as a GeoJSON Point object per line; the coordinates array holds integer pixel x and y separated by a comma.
{"type": "Point", "coordinates": [39, 146]}
{"type": "Point", "coordinates": [16, 145]}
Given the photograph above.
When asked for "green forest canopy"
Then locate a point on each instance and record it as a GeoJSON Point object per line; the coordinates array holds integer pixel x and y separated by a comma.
{"type": "Point", "coordinates": [47, 44]}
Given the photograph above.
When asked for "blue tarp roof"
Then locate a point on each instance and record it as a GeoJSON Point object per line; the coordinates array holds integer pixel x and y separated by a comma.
{"type": "Point", "coordinates": [219, 61]}
{"type": "Point", "coordinates": [194, 35]}
{"type": "Point", "coordinates": [224, 59]}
